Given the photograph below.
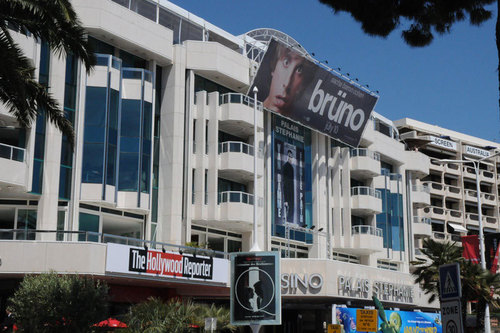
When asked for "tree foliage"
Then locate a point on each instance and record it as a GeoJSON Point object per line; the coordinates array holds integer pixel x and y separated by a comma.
{"type": "Point", "coordinates": [157, 316]}
{"type": "Point", "coordinates": [419, 20]}
{"type": "Point", "coordinates": [52, 303]}
{"type": "Point", "coordinates": [55, 22]}
{"type": "Point", "coordinates": [478, 284]}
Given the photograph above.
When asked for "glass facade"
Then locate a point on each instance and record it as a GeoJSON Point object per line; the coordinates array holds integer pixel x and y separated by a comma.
{"type": "Point", "coordinates": [118, 129]}
{"type": "Point", "coordinates": [39, 153]}
{"type": "Point", "coordinates": [70, 91]}
{"type": "Point", "coordinates": [391, 219]}
{"type": "Point", "coordinates": [88, 222]}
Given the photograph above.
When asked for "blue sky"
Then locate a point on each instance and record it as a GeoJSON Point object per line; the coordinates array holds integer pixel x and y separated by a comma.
{"type": "Point", "coordinates": [452, 83]}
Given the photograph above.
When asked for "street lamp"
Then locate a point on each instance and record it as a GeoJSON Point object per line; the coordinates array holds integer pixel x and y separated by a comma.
{"type": "Point", "coordinates": [476, 163]}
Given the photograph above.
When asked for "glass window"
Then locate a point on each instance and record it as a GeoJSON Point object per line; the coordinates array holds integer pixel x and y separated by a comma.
{"type": "Point", "coordinates": [144, 8]}
{"type": "Point", "coordinates": [93, 161]}
{"type": "Point", "coordinates": [61, 215]}
{"type": "Point", "coordinates": [36, 187]}
{"type": "Point", "coordinates": [233, 246]}
{"type": "Point", "coordinates": [190, 31]}
{"type": "Point", "coordinates": [131, 118]}
{"type": "Point", "coordinates": [95, 106]}
{"type": "Point", "coordinates": [145, 174]}
{"type": "Point", "coordinates": [170, 21]}
{"type": "Point", "coordinates": [65, 182]}
{"type": "Point", "coordinates": [130, 60]}
{"type": "Point", "coordinates": [111, 166]}
{"type": "Point", "coordinates": [26, 220]}
{"type": "Point", "coordinates": [128, 176]}
{"type": "Point", "coordinates": [100, 46]}
{"type": "Point", "coordinates": [88, 222]}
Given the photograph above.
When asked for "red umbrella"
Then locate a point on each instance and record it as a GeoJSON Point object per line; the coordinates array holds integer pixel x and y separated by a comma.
{"type": "Point", "coordinates": [111, 322]}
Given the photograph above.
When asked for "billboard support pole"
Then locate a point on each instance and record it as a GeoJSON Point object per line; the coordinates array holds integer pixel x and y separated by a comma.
{"type": "Point", "coordinates": [255, 245]}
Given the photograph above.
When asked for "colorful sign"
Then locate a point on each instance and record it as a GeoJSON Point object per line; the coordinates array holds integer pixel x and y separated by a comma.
{"type": "Point", "coordinates": [255, 288]}
{"type": "Point", "coordinates": [334, 328]}
{"type": "Point", "coordinates": [142, 261]}
{"type": "Point", "coordinates": [297, 88]}
{"type": "Point", "coordinates": [400, 321]}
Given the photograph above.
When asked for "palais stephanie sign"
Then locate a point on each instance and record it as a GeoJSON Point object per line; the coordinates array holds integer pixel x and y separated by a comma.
{"type": "Point", "coordinates": [153, 263]}
{"type": "Point", "coordinates": [385, 291]}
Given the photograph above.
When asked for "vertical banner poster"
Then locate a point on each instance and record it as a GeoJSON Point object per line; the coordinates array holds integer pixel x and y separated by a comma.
{"type": "Point", "coordinates": [291, 175]}
{"type": "Point", "coordinates": [255, 288]}
{"type": "Point", "coordinates": [291, 85]}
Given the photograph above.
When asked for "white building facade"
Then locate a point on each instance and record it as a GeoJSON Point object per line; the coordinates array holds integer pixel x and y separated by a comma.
{"type": "Point", "coordinates": [163, 160]}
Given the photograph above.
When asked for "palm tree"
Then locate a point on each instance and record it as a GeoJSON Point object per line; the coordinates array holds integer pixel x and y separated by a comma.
{"type": "Point", "coordinates": [213, 311]}
{"type": "Point", "coordinates": [426, 270]}
{"type": "Point", "coordinates": [55, 22]}
{"type": "Point", "coordinates": [477, 283]}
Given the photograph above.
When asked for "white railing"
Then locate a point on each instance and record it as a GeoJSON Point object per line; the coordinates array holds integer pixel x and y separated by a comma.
{"type": "Point", "coordinates": [421, 188]}
{"type": "Point", "coordinates": [235, 147]}
{"type": "Point", "coordinates": [235, 196]}
{"type": "Point", "coordinates": [365, 152]}
{"type": "Point", "coordinates": [366, 230]}
{"type": "Point", "coordinates": [12, 152]}
{"type": "Point", "coordinates": [365, 190]}
{"type": "Point", "coordinates": [239, 99]}
{"type": "Point", "coordinates": [419, 219]}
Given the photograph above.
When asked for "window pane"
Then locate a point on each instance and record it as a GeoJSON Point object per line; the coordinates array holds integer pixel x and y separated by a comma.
{"type": "Point", "coordinates": [128, 174]}
{"type": "Point", "coordinates": [65, 183]}
{"type": "Point", "coordinates": [131, 117]}
{"type": "Point", "coordinates": [26, 220]}
{"type": "Point", "coordinates": [93, 161]}
{"type": "Point", "coordinates": [95, 106]}
{"type": "Point", "coordinates": [88, 222]}
{"type": "Point", "coordinates": [111, 167]}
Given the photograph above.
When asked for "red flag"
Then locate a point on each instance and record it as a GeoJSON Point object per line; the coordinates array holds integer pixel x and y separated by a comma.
{"type": "Point", "coordinates": [471, 248]}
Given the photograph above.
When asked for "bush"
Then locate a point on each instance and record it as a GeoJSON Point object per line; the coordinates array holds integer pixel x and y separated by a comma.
{"type": "Point", "coordinates": [53, 303]}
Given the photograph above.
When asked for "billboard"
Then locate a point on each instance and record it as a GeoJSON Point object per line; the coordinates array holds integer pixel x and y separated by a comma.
{"type": "Point", "coordinates": [400, 321]}
{"type": "Point", "coordinates": [291, 177]}
{"type": "Point", "coordinates": [255, 288]}
{"type": "Point", "coordinates": [148, 262]}
{"type": "Point", "coordinates": [293, 86]}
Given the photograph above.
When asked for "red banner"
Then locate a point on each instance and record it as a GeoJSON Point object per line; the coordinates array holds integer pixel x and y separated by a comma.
{"type": "Point", "coordinates": [471, 248]}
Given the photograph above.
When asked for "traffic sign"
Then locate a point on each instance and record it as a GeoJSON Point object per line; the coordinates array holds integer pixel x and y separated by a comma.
{"type": "Point", "coordinates": [451, 316]}
{"type": "Point", "coordinates": [366, 320]}
{"type": "Point", "coordinates": [334, 328]}
{"type": "Point", "coordinates": [449, 281]}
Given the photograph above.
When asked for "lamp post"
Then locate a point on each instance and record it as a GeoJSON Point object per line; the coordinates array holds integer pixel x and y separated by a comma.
{"type": "Point", "coordinates": [487, 328]}
{"type": "Point", "coordinates": [255, 244]}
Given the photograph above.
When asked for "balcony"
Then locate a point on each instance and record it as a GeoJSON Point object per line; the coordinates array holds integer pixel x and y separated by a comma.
{"type": "Point", "coordinates": [364, 163]}
{"type": "Point", "coordinates": [367, 239]}
{"type": "Point", "coordinates": [237, 114]}
{"type": "Point", "coordinates": [421, 195]}
{"type": "Point", "coordinates": [452, 168]}
{"type": "Point", "coordinates": [454, 215]}
{"type": "Point", "coordinates": [236, 161]}
{"type": "Point", "coordinates": [365, 201]}
{"type": "Point", "coordinates": [471, 195]}
{"type": "Point", "coordinates": [469, 172]}
{"type": "Point", "coordinates": [418, 163]}
{"type": "Point", "coordinates": [422, 226]}
{"type": "Point", "coordinates": [453, 191]}
{"type": "Point", "coordinates": [436, 212]}
{"type": "Point", "coordinates": [445, 237]}
{"type": "Point", "coordinates": [436, 166]}
{"type": "Point", "coordinates": [472, 219]}
{"type": "Point", "coordinates": [435, 188]}
{"type": "Point", "coordinates": [236, 208]}
{"type": "Point", "coordinates": [488, 198]}
{"type": "Point", "coordinates": [14, 169]}
{"type": "Point", "coordinates": [490, 220]}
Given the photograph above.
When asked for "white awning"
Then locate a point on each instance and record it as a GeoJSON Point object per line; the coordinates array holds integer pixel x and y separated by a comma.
{"type": "Point", "coordinates": [457, 227]}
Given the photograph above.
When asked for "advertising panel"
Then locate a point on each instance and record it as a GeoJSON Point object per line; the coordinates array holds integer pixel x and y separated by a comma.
{"type": "Point", "coordinates": [295, 87]}
{"type": "Point", "coordinates": [291, 174]}
{"type": "Point", "coordinates": [255, 288]}
{"type": "Point", "coordinates": [141, 261]}
{"type": "Point", "coordinates": [400, 321]}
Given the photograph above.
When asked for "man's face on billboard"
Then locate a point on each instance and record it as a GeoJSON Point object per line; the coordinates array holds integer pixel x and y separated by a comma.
{"type": "Point", "coordinates": [286, 82]}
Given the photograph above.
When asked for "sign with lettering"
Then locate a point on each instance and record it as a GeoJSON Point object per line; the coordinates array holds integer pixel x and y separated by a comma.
{"type": "Point", "coordinates": [386, 291]}
{"type": "Point", "coordinates": [443, 143]}
{"type": "Point", "coordinates": [366, 320]}
{"type": "Point", "coordinates": [451, 312]}
{"type": "Point", "coordinates": [255, 291]}
{"type": "Point", "coordinates": [146, 261]}
{"type": "Point", "coordinates": [334, 328]}
{"type": "Point", "coordinates": [306, 284]}
{"type": "Point", "coordinates": [477, 152]}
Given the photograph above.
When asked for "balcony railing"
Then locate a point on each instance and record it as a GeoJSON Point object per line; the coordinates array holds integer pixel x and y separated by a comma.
{"type": "Point", "coordinates": [421, 188]}
{"type": "Point", "coordinates": [419, 219]}
{"type": "Point", "coordinates": [366, 230]}
{"type": "Point", "coordinates": [90, 236]}
{"type": "Point", "coordinates": [12, 152]}
{"type": "Point", "coordinates": [238, 99]}
{"type": "Point", "coordinates": [366, 153]}
{"type": "Point", "coordinates": [365, 190]}
{"type": "Point", "coordinates": [235, 196]}
{"type": "Point", "coordinates": [235, 147]}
